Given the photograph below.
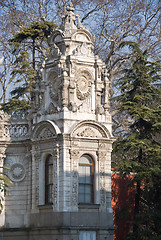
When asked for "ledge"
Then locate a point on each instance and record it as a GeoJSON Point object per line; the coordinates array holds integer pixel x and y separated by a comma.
{"type": "Point", "coordinates": [45, 207]}
{"type": "Point", "coordinates": [88, 206]}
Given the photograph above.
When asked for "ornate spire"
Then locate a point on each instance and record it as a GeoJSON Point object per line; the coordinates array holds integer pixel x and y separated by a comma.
{"type": "Point", "coordinates": [70, 8]}
{"type": "Point", "coordinates": [68, 21]}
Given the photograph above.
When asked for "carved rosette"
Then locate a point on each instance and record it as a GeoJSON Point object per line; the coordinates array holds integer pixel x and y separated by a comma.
{"type": "Point", "coordinates": [102, 159]}
{"type": "Point", "coordinates": [74, 160]}
{"type": "Point", "coordinates": [17, 172]}
{"type": "Point", "coordinates": [83, 85]}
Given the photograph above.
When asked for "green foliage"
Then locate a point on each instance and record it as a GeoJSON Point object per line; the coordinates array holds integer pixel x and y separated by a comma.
{"type": "Point", "coordinates": [138, 151]}
{"type": "Point", "coordinates": [4, 182]}
{"type": "Point", "coordinates": [29, 46]}
{"type": "Point", "coordinates": [17, 105]}
{"type": "Point", "coordinates": [36, 30]}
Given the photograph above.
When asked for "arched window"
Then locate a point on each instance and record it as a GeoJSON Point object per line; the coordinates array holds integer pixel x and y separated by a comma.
{"type": "Point", "coordinates": [49, 180]}
{"type": "Point", "coordinates": [86, 179]}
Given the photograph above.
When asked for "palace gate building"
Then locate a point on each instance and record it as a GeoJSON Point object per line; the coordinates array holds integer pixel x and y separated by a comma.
{"type": "Point", "coordinates": [59, 153]}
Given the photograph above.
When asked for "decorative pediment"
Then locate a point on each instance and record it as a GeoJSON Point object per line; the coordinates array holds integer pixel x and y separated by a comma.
{"type": "Point", "coordinates": [45, 130]}
{"type": "Point", "coordinates": [46, 133]}
{"type": "Point", "coordinates": [88, 131]}
{"type": "Point", "coordinates": [83, 35]}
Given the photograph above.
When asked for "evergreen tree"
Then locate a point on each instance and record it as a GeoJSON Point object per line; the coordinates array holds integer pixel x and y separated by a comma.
{"type": "Point", "coordinates": [30, 48]}
{"type": "Point", "coordinates": [139, 149]}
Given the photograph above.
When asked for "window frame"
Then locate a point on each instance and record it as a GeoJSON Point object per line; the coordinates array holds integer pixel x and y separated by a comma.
{"type": "Point", "coordinates": [92, 172]}
{"type": "Point", "coordinates": [48, 185]}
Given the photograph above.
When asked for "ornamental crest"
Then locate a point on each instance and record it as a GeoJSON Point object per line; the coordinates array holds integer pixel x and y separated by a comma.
{"type": "Point", "coordinates": [83, 85]}
{"type": "Point", "coordinates": [53, 85]}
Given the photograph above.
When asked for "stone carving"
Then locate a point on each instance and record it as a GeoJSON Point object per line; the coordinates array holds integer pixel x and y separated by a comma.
{"type": "Point", "coordinates": [53, 109]}
{"type": "Point", "coordinates": [102, 159]}
{"type": "Point", "coordinates": [37, 156]}
{"type": "Point", "coordinates": [102, 145]}
{"type": "Point", "coordinates": [72, 107]}
{"type": "Point", "coordinates": [17, 172]}
{"type": "Point", "coordinates": [1, 130]}
{"type": "Point", "coordinates": [74, 198]}
{"type": "Point", "coordinates": [68, 21]}
{"type": "Point", "coordinates": [74, 191]}
{"type": "Point", "coordinates": [84, 49]}
{"type": "Point", "coordinates": [53, 85]}
{"type": "Point", "coordinates": [18, 130]}
{"type": "Point", "coordinates": [55, 176]}
{"type": "Point", "coordinates": [19, 115]}
{"type": "Point", "coordinates": [74, 153]}
{"type": "Point", "coordinates": [100, 109]}
{"type": "Point", "coordinates": [87, 132]}
{"type": "Point", "coordinates": [46, 133]}
{"type": "Point", "coordinates": [54, 51]}
{"type": "Point", "coordinates": [83, 87]}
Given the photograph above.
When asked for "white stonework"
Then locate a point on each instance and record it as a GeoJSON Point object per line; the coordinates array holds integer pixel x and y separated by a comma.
{"type": "Point", "coordinates": [69, 118]}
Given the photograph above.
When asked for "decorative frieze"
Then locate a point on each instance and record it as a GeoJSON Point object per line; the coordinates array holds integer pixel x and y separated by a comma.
{"type": "Point", "coordinates": [17, 130]}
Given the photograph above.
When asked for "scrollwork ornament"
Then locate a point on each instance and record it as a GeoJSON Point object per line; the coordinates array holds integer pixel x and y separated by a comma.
{"type": "Point", "coordinates": [37, 156]}
{"type": "Point", "coordinates": [102, 155]}
{"type": "Point", "coordinates": [74, 153]}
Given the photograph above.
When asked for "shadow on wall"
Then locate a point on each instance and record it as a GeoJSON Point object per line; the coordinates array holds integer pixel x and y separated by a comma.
{"type": "Point", "coordinates": [122, 204]}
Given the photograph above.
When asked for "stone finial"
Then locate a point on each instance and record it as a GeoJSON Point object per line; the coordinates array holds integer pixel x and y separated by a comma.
{"type": "Point", "coordinates": [70, 8]}
{"type": "Point", "coordinates": [68, 21]}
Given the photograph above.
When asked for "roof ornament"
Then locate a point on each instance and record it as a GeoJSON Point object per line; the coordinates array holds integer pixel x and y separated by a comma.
{"type": "Point", "coordinates": [70, 7]}
{"type": "Point", "coordinates": [69, 20]}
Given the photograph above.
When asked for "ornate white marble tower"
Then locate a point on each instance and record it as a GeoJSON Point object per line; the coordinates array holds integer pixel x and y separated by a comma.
{"type": "Point", "coordinates": [60, 155]}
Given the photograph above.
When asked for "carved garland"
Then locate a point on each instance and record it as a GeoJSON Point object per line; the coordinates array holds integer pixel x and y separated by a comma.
{"type": "Point", "coordinates": [102, 157]}
{"type": "Point", "coordinates": [74, 159]}
{"type": "Point", "coordinates": [55, 175]}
